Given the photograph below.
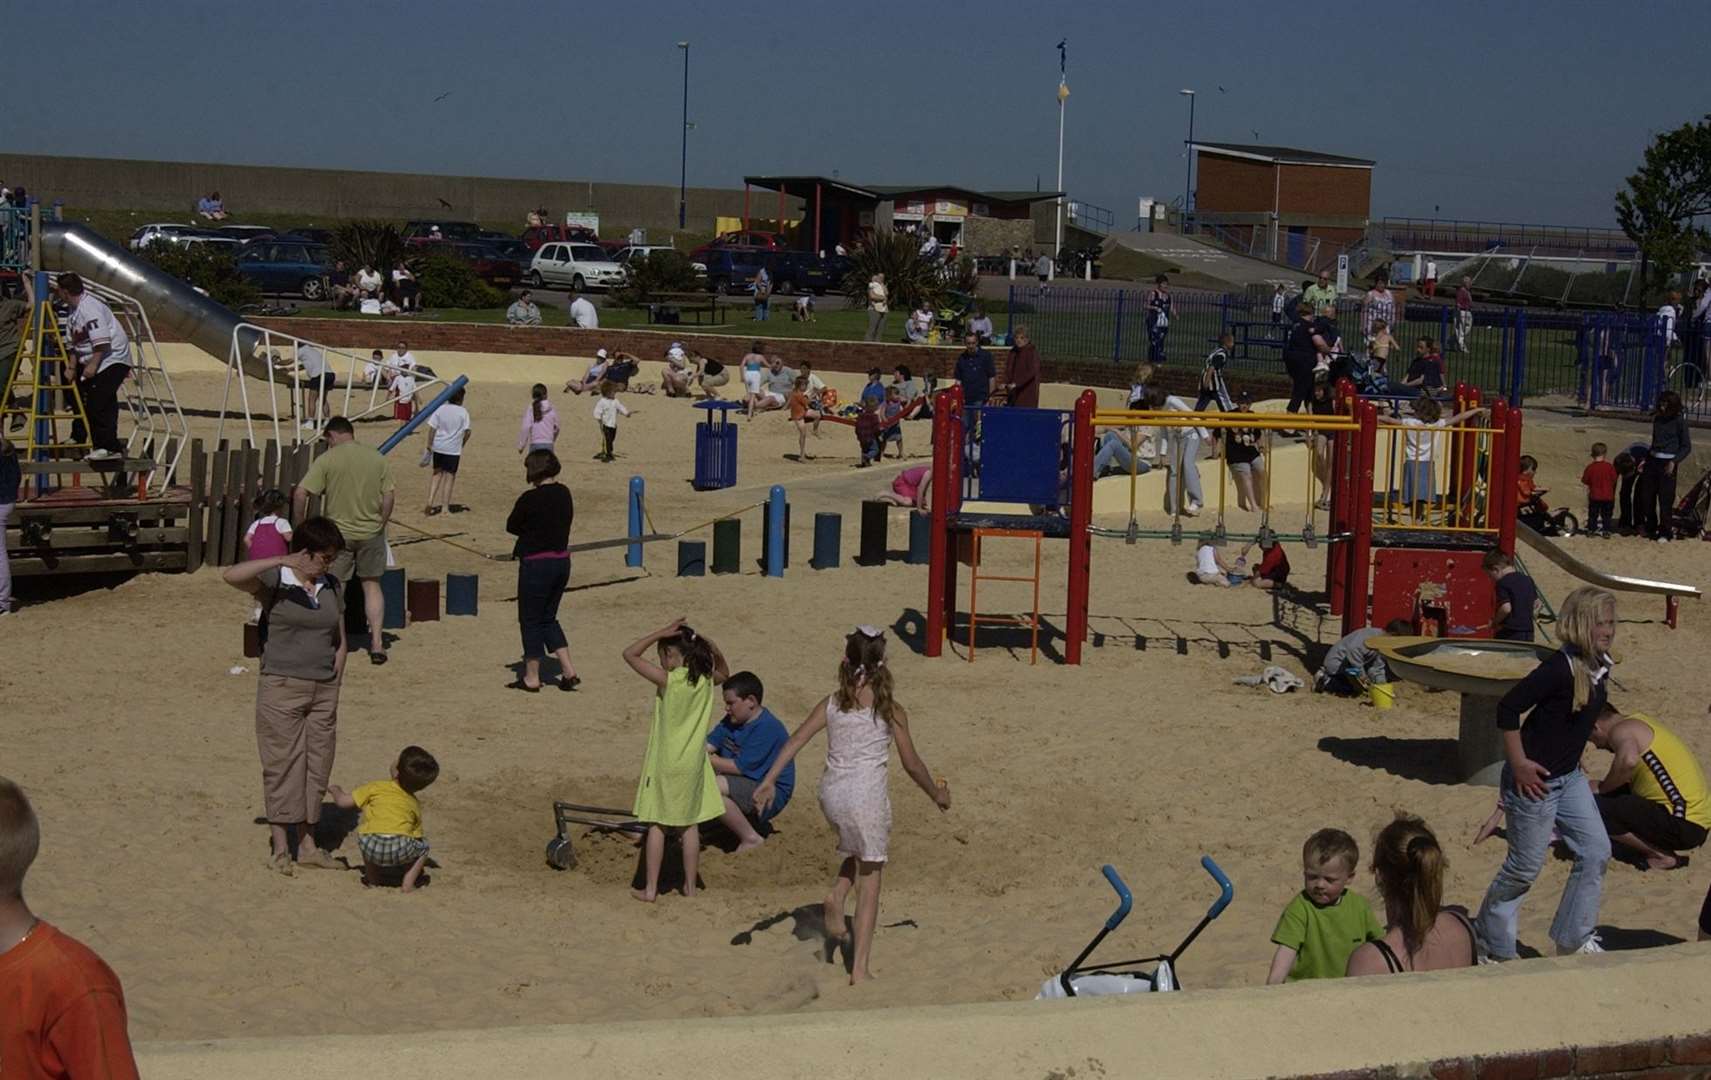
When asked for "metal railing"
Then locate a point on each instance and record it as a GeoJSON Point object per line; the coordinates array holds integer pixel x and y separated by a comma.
{"type": "Point", "coordinates": [14, 238]}
{"type": "Point", "coordinates": [1085, 215]}
{"type": "Point", "coordinates": [1441, 234]}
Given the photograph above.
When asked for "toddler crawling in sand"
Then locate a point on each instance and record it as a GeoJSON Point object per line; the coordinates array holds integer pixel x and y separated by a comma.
{"type": "Point", "coordinates": [390, 833]}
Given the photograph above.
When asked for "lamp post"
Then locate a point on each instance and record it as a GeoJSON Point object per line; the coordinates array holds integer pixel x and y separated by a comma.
{"type": "Point", "coordinates": [1062, 97]}
{"type": "Point", "coordinates": [1188, 180]}
{"type": "Point", "coordinates": [683, 174]}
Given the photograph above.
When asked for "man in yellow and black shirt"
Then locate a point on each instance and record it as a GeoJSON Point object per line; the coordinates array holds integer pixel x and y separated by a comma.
{"type": "Point", "coordinates": [1653, 799]}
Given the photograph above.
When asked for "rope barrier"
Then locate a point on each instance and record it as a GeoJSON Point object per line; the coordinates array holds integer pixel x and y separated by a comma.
{"type": "Point", "coordinates": [651, 537]}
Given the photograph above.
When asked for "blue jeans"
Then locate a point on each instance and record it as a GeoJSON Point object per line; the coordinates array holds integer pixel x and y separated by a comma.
{"type": "Point", "coordinates": [1569, 806]}
{"type": "Point", "coordinates": [761, 307]}
{"type": "Point", "coordinates": [1114, 456]}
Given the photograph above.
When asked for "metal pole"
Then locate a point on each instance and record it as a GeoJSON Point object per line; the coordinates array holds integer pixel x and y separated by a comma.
{"type": "Point", "coordinates": [1062, 97]}
{"type": "Point", "coordinates": [1188, 179]}
{"type": "Point", "coordinates": [683, 174]}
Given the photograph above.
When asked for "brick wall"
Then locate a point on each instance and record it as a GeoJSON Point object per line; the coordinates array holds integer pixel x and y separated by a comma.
{"type": "Point", "coordinates": [853, 356]}
{"type": "Point", "coordinates": [1683, 1056]}
{"type": "Point", "coordinates": [1324, 190]}
{"type": "Point", "coordinates": [1233, 185]}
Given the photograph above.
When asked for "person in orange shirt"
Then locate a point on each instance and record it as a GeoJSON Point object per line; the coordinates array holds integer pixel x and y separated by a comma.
{"type": "Point", "coordinates": [62, 1011]}
{"type": "Point", "coordinates": [803, 415]}
{"type": "Point", "coordinates": [1529, 495]}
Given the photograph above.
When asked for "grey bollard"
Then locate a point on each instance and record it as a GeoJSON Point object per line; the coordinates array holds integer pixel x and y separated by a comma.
{"type": "Point", "coordinates": [828, 539]}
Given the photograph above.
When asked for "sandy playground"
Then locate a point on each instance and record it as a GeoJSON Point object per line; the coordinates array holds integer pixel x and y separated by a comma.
{"type": "Point", "coordinates": [138, 748]}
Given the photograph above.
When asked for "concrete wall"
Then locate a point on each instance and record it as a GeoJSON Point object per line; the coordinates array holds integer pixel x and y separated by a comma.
{"type": "Point", "coordinates": [114, 184]}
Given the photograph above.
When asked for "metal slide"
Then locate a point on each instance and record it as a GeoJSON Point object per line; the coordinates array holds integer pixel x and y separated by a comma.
{"type": "Point", "coordinates": [1575, 568]}
{"type": "Point", "coordinates": [170, 302]}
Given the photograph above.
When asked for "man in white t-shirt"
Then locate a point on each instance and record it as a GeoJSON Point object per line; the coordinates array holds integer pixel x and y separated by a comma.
{"type": "Point", "coordinates": [318, 380]}
{"type": "Point", "coordinates": [582, 313]}
{"type": "Point", "coordinates": [369, 282]}
{"type": "Point", "coordinates": [448, 430]}
{"type": "Point", "coordinates": [102, 350]}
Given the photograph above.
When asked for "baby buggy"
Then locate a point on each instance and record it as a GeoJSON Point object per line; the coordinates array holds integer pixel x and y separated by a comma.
{"type": "Point", "coordinates": [1082, 979]}
{"type": "Point", "coordinates": [1693, 509]}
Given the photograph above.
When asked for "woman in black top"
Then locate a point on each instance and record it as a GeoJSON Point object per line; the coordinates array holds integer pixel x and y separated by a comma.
{"type": "Point", "coordinates": [1243, 457]}
{"type": "Point", "coordinates": [1158, 318]}
{"type": "Point", "coordinates": [540, 521]}
{"type": "Point", "coordinates": [1671, 444]}
{"type": "Point", "coordinates": [1543, 786]}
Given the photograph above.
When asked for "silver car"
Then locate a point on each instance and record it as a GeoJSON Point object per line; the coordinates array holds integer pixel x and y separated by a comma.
{"type": "Point", "coordinates": [580, 266]}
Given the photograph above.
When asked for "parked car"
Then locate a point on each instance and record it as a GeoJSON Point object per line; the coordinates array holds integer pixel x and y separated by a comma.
{"type": "Point", "coordinates": [581, 266]}
{"type": "Point", "coordinates": [731, 269]}
{"type": "Point", "coordinates": [313, 235]}
{"type": "Point", "coordinates": [171, 234]}
{"type": "Point", "coordinates": [513, 249]}
{"type": "Point", "coordinates": [422, 232]}
{"type": "Point", "coordinates": [243, 234]}
{"type": "Point", "coordinates": [224, 245]}
{"type": "Point", "coordinates": [637, 252]}
{"type": "Point", "coordinates": [742, 239]}
{"type": "Point", "coordinates": [536, 235]}
{"type": "Point", "coordinates": [489, 264]}
{"type": "Point", "coordinates": [286, 266]}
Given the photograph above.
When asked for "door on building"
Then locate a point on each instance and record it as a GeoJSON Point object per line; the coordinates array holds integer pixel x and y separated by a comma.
{"type": "Point", "coordinates": [1296, 250]}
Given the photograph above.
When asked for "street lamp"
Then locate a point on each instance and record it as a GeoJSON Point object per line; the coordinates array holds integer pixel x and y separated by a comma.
{"type": "Point", "coordinates": [1188, 180]}
{"type": "Point", "coordinates": [683, 175]}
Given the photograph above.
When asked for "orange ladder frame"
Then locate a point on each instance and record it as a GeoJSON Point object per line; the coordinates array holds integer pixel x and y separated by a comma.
{"type": "Point", "coordinates": [975, 578]}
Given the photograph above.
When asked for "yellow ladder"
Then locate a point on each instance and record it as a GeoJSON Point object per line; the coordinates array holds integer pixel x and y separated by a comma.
{"type": "Point", "coordinates": [42, 355]}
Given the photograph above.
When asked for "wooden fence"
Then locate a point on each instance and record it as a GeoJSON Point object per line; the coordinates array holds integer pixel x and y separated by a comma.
{"type": "Point", "coordinates": [224, 483]}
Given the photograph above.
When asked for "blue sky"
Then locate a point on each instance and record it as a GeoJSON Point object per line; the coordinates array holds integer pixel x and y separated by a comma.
{"type": "Point", "coordinates": [1510, 111]}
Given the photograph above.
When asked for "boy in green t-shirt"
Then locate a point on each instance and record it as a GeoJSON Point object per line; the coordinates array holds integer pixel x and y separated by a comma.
{"type": "Point", "coordinates": [1324, 923]}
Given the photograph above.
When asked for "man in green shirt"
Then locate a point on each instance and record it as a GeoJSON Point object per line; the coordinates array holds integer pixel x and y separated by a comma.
{"type": "Point", "coordinates": [1321, 296]}
{"type": "Point", "coordinates": [355, 482]}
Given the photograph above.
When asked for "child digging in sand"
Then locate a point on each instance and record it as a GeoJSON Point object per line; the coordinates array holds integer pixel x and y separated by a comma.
{"type": "Point", "coordinates": [1325, 923]}
{"type": "Point", "coordinates": [390, 832]}
{"type": "Point", "coordinates": [678, 789]}
{"type": "Point", "coordinates": [860, 719]}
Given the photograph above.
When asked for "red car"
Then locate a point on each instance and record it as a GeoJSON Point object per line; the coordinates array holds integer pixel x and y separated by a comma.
{"type": "Point", "coordinates": [536, 235]}
{"type": "Point", "coordinates": [743, 239]}
{"type": "Point", "coordinates": [489, 263]}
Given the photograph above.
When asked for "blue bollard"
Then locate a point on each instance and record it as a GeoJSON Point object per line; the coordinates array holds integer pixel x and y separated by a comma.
{"type": "Point", "coordinates": [691, 558]}
{"type": "Point", "coordinates": [828, 536]}
{"type": "Point", "coordinates": [462, 594]}
{"type": "Point", "coordinates": [776, 533]}
{"type": "Point", "coordinates": [920, 538]}
{"type": "Point", "coordinates": [633, 553]}
{"type": "Point", "coordinates": [392, 592]}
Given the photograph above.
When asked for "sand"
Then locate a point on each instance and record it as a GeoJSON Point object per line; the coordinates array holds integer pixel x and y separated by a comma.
{"type": "Point", "coordinates": [138, 747]}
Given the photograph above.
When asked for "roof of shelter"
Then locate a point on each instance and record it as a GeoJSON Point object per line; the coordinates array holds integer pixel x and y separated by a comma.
{"type": "Point", "coordinates": [892, 191]}
{"type": "Point", "coordinates": [1286, 155]}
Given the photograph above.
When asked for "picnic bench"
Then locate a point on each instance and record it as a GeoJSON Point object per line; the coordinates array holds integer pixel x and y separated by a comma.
{"type": "Point", "coordinates": [1257, 334]}
{"type": "Point", "coordinates": [670, 308]}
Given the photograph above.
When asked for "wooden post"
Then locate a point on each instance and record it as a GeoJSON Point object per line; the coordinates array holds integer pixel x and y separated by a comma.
{"type": "Point", "coordinates": [270, 466]}
{"type": "Point", "coordinates": [246, 496]}
{"type": "Point", "coordinates": [229, 516]}
{"type": "Point", "coordinates": [215, 502]}
{"type": "Point", "coordinates": [198, 476]}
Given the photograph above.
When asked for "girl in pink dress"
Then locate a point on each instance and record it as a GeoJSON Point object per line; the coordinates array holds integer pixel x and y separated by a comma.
{"type": "Point", "coordinates": [860, 720]}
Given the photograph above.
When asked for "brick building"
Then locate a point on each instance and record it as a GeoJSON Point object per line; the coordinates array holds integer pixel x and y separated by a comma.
{"type": "Point", "coordinates": [1282, 202]}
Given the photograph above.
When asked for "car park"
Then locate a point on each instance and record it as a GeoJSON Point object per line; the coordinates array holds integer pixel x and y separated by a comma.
{"type": "Point", "coordinates": [243, 234]}
{"type": "Point", "coordinates": [286, 266]}
{"type": "Point", "coordinates": [536, 235]}
{"type": "Point", "coordinates": [637, 252]}
{"type": "Point", "coordinates": [580, 266]}
{"type": "Point", "coordinates": [423, 232]}
{"type": "Point", "coordinates": [489, 264]}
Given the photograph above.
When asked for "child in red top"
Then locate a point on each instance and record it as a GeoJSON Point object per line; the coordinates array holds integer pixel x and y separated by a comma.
{"type": "Point", "coordinates": [1273, 569]}
{"type": "Point", "coordinates": [62, 1011]}
{"type": "Point", "coordinates": [1600, 480]}
{"type": "Point", "coordinates": [868, 428]}
{"type": "Point", "coordinates": [1530, 497]}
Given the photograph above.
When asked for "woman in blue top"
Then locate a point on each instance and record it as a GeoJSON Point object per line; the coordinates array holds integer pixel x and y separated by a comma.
{"type": "Point", "coordinates": [1543, 786]}
{"type": "Point", "coordinates": [1158, 318]}
{"type": "Point", "coordinates": [11, 475]}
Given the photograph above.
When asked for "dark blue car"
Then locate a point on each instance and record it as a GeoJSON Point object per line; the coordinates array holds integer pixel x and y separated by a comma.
{"type": "Point", "coordinates": [286, 266]}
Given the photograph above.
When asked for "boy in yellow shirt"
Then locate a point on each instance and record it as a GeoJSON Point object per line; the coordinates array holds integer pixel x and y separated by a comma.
{"type": "Point", "coordinates": [390, 832]}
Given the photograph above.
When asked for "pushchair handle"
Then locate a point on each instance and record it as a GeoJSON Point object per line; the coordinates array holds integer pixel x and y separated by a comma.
{"type": "Point", "coordinates": [1226, 894]}
{"type": "Point", "coordinates": [1125, 899]}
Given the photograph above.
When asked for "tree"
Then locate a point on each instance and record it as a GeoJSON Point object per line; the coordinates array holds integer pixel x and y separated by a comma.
{"type": "Point", "coordinates": [1670, 189]}
{"type": "Point", "coordinates": [910, 280]}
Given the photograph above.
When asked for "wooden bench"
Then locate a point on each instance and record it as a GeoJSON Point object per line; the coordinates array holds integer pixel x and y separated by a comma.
{"type": "Point", "coordinates": [706, 307]}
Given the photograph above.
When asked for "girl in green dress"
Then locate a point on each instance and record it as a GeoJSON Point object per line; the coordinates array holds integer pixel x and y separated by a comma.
{"type": "Point", "coordinates": [677, 789]}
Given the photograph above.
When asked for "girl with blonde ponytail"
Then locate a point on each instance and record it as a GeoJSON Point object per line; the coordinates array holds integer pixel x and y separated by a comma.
{"type": "Point", "coordinates": [861, 720]}
{"type": "Point", "coordinates": [1543, 787]}
{"type": "Point", "coordinates": [1421, 934]}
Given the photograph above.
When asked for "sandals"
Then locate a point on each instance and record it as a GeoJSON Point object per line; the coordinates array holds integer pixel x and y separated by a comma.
{"type": "Point", "coordinates": [377, 658]}
{"type": "Point", "coordinates": [280, 862]}
{"type": "Point", "coordinates": [523, 686]}
{"type": "Point", "coordinates": [569, 684]}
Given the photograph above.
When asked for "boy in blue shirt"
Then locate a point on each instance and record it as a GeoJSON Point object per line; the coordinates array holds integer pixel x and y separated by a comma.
{"type": "Point", "coordinates": [743, 747]}
{"type": "Point", "coordinates": [874, 390]}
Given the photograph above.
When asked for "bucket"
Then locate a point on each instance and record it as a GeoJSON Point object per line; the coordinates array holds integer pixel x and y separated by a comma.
{"type": "Point", "coordinates": [1382, 695]}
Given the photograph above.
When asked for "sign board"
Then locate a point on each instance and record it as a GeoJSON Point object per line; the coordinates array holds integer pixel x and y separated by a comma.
{"type": "Point", "coordinates": [1342, 274]}
{"type": "Point", "coordinates": [588, 219]}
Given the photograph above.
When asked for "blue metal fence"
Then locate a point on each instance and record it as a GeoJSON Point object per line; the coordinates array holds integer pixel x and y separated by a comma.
{"type": "Point", "coordinates": [14, 238]}
{"type": "Point", "coordinates": [1515, 352]}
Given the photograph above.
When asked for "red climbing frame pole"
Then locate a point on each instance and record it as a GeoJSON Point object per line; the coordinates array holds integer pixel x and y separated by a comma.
{"type": "Point", "coordinates": [1511, 473]}
{"type": "Point", "coordinates": [1342, 499]}
{"type": "Point", "coordinates": [1080, 521]}
{"type": "Point", "coordinates": [1358, 571]}
{"type": "Point", "coordinates": [946, 498]}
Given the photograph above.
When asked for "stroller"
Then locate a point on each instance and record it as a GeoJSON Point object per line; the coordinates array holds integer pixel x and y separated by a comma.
{"type": "Point", "coordinates": [1693, 510]}
{"type": "Point", "coordinates": [1080, 979]}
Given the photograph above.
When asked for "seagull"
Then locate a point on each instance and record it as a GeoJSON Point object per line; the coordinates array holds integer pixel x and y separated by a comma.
{"type": "Point", "coordinates": [442, 97]}
{"type": "Point", "coordinates": [1256, 133]}
{"type": "Point", "coordinates": [443, 203]}
{"type": "Point", "coordinates": [1221, 90]}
